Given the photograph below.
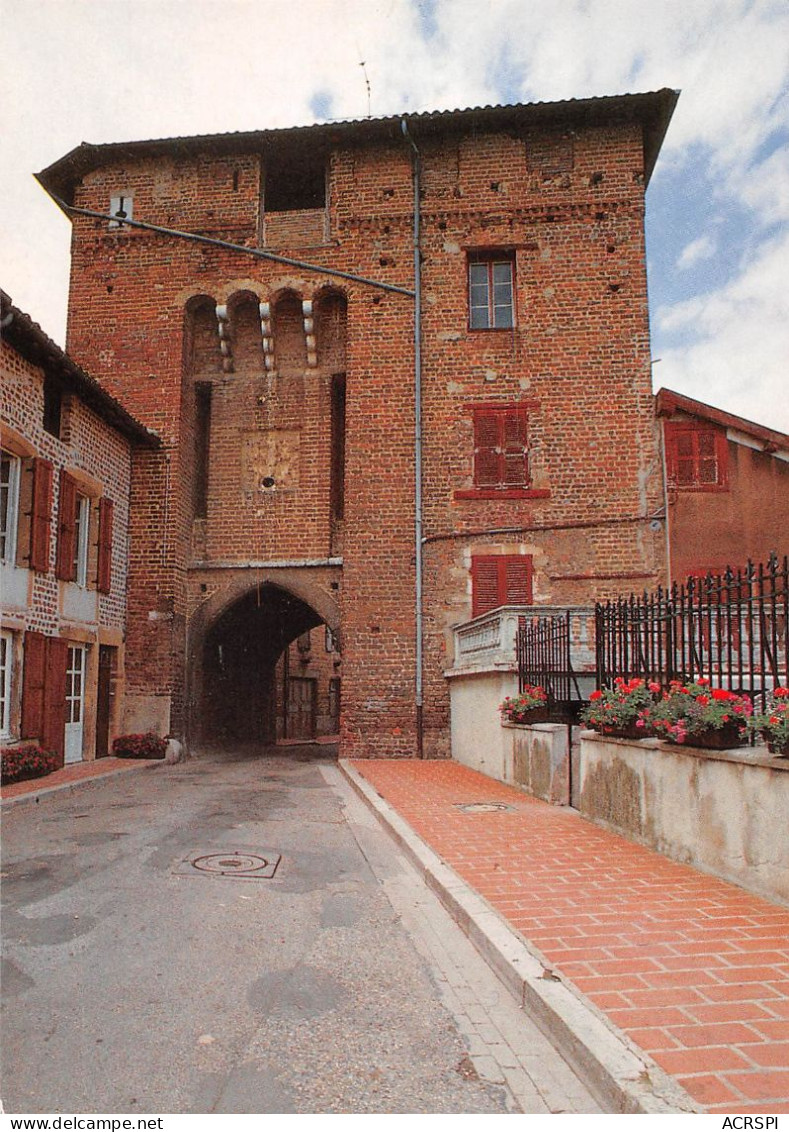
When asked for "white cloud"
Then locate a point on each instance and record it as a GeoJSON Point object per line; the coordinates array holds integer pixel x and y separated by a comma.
{"type": "Point", "coordinates": [696, 251]}
{"type": "Point", "coordinates": [737, 356]}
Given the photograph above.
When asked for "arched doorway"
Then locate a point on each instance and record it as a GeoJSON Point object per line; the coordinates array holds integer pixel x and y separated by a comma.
{"type": "Point", "coordinates": [270, 671]}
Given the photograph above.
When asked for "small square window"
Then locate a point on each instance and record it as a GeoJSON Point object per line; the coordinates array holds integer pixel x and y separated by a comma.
{"type": "Point", "coordinates": [491, 291]}
{"type": "Point", "coordinates": [696, 457]}
{"type": "Point", "coordinates": [121, 209]}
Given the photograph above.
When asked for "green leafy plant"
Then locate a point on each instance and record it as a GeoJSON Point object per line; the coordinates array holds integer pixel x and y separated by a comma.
{"type": "Point", "coordinates": [21, 763]}
{"type": "Point", "coordinates": [515, 708]}
{"type": "Point", "coordinates": [688, 711]}
{"type": "Point", "coordinates": [148, 746]}
{"type": "Point", "coordinates": [773, 724]}
{"type": "Point", "coordinates": [625, 706]}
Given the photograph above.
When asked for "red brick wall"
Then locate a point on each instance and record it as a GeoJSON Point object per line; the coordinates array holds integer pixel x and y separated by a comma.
{"type": "Point", "coordinates": [711, 530]}
{"type": "Point", "coordinates": [571, 206]}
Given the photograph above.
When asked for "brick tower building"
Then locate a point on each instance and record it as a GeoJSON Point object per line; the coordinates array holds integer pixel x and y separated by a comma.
{"type": "Point", "coordinates": [354, 435]}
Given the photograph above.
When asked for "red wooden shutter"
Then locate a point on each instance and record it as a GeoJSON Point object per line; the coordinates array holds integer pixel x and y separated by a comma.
{"type": "Point", "coordinates": [500, 579]}
{"type": "Point", "coordinates": [104, 567]}
{"type": "Point", "coordinates": [487, 448]}
{"type": "Point", "coordinates": [485, 593]}
{"type": "Point", "coordinates": [54, 730]}
{"type": "Point", "coordinates": [517, 570]}
{"type": "Point", "coordinates": [67, 528]}
{"type": "Point", "coordinates": [41, 519]}
{"type": "Point", "coordinates": [33, 680]}
{"type": "Point", "coordinates": [514, 440]}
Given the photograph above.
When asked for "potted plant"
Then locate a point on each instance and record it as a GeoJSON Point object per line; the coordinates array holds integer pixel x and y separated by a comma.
{"type": "Point", "coordinates": [24, 762]}
{"type": "Point", "coordinates": [773, 724]}
{"type": "Point", "coordinates": [148, 746]}
{"type": "Point", "coordinates": [622, 711]}
{"type": "Point", "coordinates": [698, 715]}
{"type": "Point", "coordinates": [530, 706]}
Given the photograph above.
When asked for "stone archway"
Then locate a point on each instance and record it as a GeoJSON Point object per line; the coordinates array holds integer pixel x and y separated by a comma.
{"type": "Point", "coordinates": [234, 652]}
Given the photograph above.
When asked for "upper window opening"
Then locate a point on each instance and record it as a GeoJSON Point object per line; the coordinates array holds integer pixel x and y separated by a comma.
{"type": "Point", "coordinates": [491, 291]}
{"type": "Point", "coordinates": [294, 181]}
{"type": "Point", "coordinates": [695, 457]}
{"type": "Point", "coordinates": [121, 209]}
{"type": "Point", "coordinates": [53, 405]}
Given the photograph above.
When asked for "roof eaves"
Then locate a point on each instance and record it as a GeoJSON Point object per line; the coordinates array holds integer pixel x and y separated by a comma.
{"type": "Point", "coordinates": [668, 402]}
{"type": "Point", "coordinates": [28, 339]}
{"type": "Point", "coordinates": [653, 108]}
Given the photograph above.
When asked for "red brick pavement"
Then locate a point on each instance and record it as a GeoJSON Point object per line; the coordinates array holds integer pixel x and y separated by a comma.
{"type": "Point", "coordinates": [694, 970]}
{"type": "Point", "coordinates": [75, 772]}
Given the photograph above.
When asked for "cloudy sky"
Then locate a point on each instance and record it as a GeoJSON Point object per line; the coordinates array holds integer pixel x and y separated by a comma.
{"type": "Point", "coordinates": [717, 206]}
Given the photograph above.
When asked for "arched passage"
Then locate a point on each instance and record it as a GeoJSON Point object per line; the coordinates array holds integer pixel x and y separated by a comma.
{"type": "Point", "coordinates": [270, 670]}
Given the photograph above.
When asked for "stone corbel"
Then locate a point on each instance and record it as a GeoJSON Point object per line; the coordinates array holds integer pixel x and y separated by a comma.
{"type": "Point", "coordinates": [267, 335]}
{"type": "Point", "coordinates": [225, 345]}
{"type": "Point", "coordinates": [309, 333]}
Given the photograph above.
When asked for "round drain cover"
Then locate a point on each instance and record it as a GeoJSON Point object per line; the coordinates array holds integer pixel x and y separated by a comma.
{"type": "Point", "coordinates": [225, 863]}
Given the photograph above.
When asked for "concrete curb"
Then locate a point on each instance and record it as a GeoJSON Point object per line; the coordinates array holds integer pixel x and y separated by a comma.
{"type": "Point", "coordinates": [624, 1078]}
{"type": "Point", "coordinates": [34, 795]}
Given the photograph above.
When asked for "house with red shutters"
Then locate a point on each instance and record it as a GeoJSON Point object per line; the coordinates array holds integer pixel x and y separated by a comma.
{"type": "Point", "coordinates": [727, 487]}
{"type": "Point", "coordinates": [65, 492]}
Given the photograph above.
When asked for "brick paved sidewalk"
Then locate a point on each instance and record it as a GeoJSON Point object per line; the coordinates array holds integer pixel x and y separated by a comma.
{"type": "Point", "coordinates": [694, 970]}
{"type": "Point", "coordinates": [75, 772]}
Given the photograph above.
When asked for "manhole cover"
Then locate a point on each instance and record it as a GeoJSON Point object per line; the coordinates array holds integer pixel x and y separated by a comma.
{"type": "Point", "coordinates": [255, 864]}
{"type": "Point", "coordinates": [482, 807]}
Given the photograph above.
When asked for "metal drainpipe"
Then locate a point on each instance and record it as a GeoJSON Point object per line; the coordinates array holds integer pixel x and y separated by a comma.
{"type": "Point", "coordinates": [662, 426]}
{"type": "Point", "coordinates": [419, 630]}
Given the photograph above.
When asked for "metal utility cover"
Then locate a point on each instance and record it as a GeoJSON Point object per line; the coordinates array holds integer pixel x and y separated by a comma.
{"type": "Point", "coordinates": [252, 864]}
{"type": "Point", "coordinates": [483, 807]}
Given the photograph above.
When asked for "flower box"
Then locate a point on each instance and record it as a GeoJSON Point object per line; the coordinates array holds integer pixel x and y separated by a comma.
{"type": "Point", "coordinates": [529, 706]}
{"type": "Point", "coordinates": [531, 715]}
{"type": "Point", "coordinates": [149, 746]}
{"type": "Point", "coordinates": [624, 731]}
{"type": "Point", "coordinates": [773, 724]}
{"type": "Point", "coordinates": [724, 738]}
{"type": "Point", "coordinates": [19, 764]}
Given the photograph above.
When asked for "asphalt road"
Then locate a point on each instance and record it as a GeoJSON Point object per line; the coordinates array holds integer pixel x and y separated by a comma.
{"type": "Point", "coordinates": [134, 981]}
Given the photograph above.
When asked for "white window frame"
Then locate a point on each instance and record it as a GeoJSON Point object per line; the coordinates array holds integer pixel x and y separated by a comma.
{"type": "Point", "coordinates": [491, 292]}
{"type": "Point", "coordinates": [9, 506]}
{"type": "Point", "coordinates": [82, 540]}
{"type": "Point", "coordinates": [6, 681]}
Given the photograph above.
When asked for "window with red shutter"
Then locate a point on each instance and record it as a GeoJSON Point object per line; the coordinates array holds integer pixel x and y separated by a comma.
{"type": "Point", "coordinates": [41, 523]}
{"type": "Point", "coordinates": [104, 566]}
{"type": "Point", "coordinates": [34, 666]}
{"type": "Point", "coordinates": [500, 447]}
{"type": "Point", "coordinates": [696, 457]}
{"type": "Point", "coordinates": [500, 579]}
{"type": "Point", "coordinates": [67, 529]}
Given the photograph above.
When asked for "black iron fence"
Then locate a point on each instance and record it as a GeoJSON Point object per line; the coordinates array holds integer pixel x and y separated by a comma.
{"type": "Point", "coordinates": [730, 628]}
{"type": "Point", "coordinates": [544, 650]}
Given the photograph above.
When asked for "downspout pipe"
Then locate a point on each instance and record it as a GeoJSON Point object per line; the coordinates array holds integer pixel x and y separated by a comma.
{"type": "Point", "coordinates": [418, 521]}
